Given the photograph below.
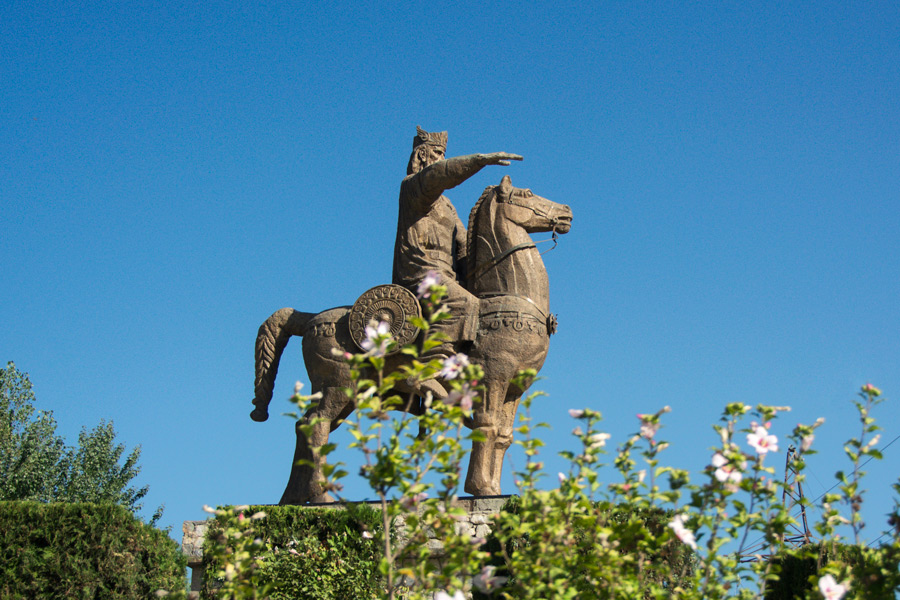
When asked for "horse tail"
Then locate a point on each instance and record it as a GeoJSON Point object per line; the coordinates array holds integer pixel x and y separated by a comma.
{"type": "Point", "coordinates": [271, 340]}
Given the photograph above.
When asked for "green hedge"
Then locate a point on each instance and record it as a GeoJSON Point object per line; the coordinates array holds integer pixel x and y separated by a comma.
{"type": "Point", "coordinates": [315, 553]}
{"type": "Point", "coordinates": [798, 570]}
{"type": "Point", "coordinates": [631, 524]}
{"type": "Point", "coordinates": [79, 550]}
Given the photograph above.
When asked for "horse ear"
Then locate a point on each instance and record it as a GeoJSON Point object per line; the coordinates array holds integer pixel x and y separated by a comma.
{"type": "Point", "coordinates": [506, 188]}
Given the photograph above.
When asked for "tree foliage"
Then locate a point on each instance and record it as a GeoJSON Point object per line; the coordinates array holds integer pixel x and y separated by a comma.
{"type": "Point", "coordinates": [36, 464]}
{"type": "Point", "coordinates": [30, 450]}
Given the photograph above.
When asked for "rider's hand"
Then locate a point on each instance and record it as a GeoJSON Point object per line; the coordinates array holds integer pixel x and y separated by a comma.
{"type": "Point", "coordinates": [498, 158]}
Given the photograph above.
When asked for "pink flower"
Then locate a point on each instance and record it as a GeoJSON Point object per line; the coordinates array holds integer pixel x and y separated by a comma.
{"type": "Point", "coordinates": [762, 441]}
{"type": "Point", "coordinates": [432, 278]}
{"type": "Point", "coordinates": [831, 589]}
{"type": "Point", "coordinates": [409, 502]}
{"type": "Point", "coordinates": [806, 442]}
{"type": "Point", "coordinates": [454, 365]}
{"type": "Point", "coordinates": [871, 390]}
{"type": "Point", "coordinates": [685, 535]}
{"type": "Point", "coordinates": [486, 581]}
{"type": "Point", "coordinates": [725, 472]}
{"type": "Point", "coordinates": [648, 426]}
{"type": "Point", "coordinates": [464, 397]}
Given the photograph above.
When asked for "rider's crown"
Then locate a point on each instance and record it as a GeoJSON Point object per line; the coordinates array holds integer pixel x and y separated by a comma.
{"type": "Point", "coordinates": [431, 139]}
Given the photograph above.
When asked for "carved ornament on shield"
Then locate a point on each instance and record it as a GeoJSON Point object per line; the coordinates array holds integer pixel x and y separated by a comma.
{"type": "Point", "coordinates": [392, 304]}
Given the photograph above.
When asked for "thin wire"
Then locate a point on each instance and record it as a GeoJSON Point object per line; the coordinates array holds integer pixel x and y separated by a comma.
{"type": "Point", "coordinates": [883, 448]}
{"type": "Point", "coordinates": [878, 538]}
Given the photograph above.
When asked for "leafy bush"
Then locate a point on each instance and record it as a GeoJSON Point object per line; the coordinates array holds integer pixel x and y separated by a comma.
{"type": "Point", "coordinates": [79, 550]}
{"type": "Point", "coordinates": [671, 566]}
{"type": "Point", "coordinates": [299, 552]}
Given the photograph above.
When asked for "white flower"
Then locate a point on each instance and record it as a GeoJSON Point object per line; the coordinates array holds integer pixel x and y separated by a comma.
{"type": "Point", "coordinates": [831, 589]}
{"type": "Point", "coordinates": [486, 581]}
{"type": "Point", "coordinates": [762, 441]}
{"type": "Point", "coordinates": [297, 387]}
{"type": "Point", "coordinates": [432, 278]}
{"type": "Point", "coordinates": [367, 535]}
{"type": "Point", "coordinates": [598, 440]}
{"type": "Point", "coordinates": [872, 442]}
{"type": "Point", "coordinates": [685, 535]}
{"type": "Point", "coordinates": [377, 339]}
{"type": "Point", "coordinates": [725, 472]}
{"type": "Point", "coordinates": [576, 413]}
{"type": "Point", "coordinates": [442, 595]}
{"type": "Point", "coordinates": [562, 477]}
{"type": "Point", "coordinates": [453, 366]}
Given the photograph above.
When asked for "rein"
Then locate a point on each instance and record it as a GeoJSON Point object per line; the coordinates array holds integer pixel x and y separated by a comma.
{"type": "Point", "coordinates": [483, 267]}
{"type": "Point", "coordinates": [486, 266]}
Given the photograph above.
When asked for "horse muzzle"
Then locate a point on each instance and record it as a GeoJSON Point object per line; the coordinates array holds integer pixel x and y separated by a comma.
{"type": "Point", "coordinates": [563, 221]}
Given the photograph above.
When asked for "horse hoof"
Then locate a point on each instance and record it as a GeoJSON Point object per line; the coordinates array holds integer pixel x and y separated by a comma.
{"type": "Point", "coordinates": [259, 415]}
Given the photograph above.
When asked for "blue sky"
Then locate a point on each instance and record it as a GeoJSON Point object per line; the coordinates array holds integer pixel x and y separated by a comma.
{"type": "Point", "coordinates": [174, 173]}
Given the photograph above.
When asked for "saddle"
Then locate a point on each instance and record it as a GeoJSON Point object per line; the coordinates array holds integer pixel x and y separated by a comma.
{"type": "Point", "coordinates": [394, 304]}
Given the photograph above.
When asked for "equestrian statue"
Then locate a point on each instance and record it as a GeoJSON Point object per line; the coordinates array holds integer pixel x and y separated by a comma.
{"type": "Point", "coordinates": [497, 294]}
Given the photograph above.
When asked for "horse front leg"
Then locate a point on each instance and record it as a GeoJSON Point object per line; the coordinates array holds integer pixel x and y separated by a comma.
{"type": "Point", "coordinates": [479, 478]}
{"type": "Point", "coordinates": [305, 482]}
{"type": "Point", "coordinates": [505, 425]}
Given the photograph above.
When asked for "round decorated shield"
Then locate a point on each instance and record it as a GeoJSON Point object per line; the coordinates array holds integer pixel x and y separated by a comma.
{"type": "Point", "coordinates": [392, 304]}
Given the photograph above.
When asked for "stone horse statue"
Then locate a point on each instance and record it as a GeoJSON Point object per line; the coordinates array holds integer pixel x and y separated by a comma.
{"type": "Point", "coordinates": [508, 276]}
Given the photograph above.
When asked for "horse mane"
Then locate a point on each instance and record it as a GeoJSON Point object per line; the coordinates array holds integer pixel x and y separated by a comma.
{"type": "Point", "coordinates": [471, 263]}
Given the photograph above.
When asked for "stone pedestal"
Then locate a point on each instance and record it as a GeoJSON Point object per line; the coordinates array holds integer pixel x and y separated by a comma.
{"type": "Point", "coordinates": [477, 525]}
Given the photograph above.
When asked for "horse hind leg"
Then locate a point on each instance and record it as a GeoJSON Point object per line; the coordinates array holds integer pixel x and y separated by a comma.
{"type": "Point", "coordinates": [305, 482]}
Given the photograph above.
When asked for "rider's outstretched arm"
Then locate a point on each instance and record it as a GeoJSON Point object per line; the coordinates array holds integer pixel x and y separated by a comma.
{"type": "Point", "coordinates": [449, 173]}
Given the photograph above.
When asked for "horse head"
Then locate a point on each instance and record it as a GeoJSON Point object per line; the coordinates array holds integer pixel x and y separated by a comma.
{"type": "Point", "coordinates": [498, 231]}
{"type": "Point", "coordinates": [533, 213]}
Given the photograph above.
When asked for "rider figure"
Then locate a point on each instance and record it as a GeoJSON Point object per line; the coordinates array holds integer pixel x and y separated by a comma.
{"type": "Point", "coordinates": [430, 235]}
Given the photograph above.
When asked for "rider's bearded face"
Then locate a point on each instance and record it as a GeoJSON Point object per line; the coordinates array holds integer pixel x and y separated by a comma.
{"type": "Point", "coordinates": [428, 155]}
